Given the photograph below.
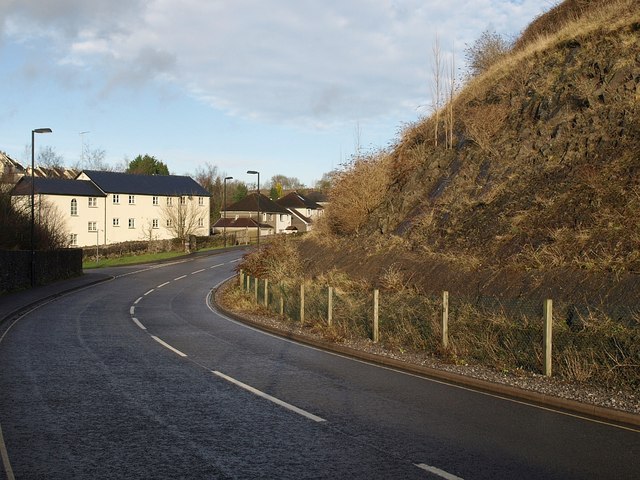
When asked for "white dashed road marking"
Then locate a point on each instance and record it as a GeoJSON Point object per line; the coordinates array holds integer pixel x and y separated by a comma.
{"type": "Point", "coordinates": [180, 278]}
{"type": "Point", "coordinates": [137, 322]}
{"type": "Point", "coordinates": [266, 396]}
{"type": "Point", "coordinates": [437, 471]}
{"type": "Point", "coordinates": [166, 345]}
{"type": "Point", "coordinates": [197, 271]}
{"type": "Point", "coordinates": [163, 284]}
{"type": "Point", "coordinates": [149, 292]}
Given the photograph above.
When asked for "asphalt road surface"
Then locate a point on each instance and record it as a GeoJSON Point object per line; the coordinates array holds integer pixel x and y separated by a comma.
{"type": "Point", "coordinates": [139, 378]}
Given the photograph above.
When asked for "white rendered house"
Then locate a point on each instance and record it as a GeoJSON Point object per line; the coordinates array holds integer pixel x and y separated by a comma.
{"type": "Point", "coordinates": [111, 207]}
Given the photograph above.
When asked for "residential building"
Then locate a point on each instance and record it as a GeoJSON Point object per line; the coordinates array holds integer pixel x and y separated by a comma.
{"type": "Point", "coordinates": [10, 170]}
{"type": "Point", "coordinates": [112, 207]}
{"type": "Point", "coordinates": [304, 211]}
{"type": "Point", "coordinates": [273, 217]}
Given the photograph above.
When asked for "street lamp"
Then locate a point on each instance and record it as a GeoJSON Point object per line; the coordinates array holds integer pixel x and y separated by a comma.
{"type": "Point", "coordinates": [253, 172]}
{"type": "Point", "coordinates": [224, 222]}
{"type": "Point", "coordinates": [33, 195]}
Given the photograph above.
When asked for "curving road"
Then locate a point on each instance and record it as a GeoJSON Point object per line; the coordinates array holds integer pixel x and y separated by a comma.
{"type": "Point", "coordinates": [138, 377]}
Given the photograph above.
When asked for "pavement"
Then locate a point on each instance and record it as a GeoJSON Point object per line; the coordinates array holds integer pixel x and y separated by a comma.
{"type": "Point", "coordinates": [14, 304]}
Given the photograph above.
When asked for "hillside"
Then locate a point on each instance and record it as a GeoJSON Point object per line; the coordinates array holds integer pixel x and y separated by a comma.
{"type": "Point", "coordinates": [540, 187]}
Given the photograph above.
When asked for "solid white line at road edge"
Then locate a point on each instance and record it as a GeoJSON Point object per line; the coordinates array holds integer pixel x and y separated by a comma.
{"type": "Point", "coordinates": [437, 471]}
{"type": "Point", "coordinates": [166, 345]}
{"type": "Point", "coordinates": [266, 396]}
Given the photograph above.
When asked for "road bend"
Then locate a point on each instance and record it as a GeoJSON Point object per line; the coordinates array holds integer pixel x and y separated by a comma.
{"type": "Point", "coordinates": [139, 377]}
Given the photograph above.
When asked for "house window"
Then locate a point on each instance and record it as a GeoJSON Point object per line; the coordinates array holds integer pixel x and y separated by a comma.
{"type": "Point", "coordinates": [201, 222]}
{"type": "Point", "coordinates": [154, 223]}
{"type": "Point", "coordinates": [93, 202]}
{"type": "Point", "coordinates": [168, 201]}
{"type": "Point", "coordinates": [93, 227]}
{"type": "Point", "coordinates": [183, 200]}
{"type": "Point", "coordinates": [282, 215]}
{"type": "Point", "coordinates": [132, 223]}
{"type": "Point", "coordinates": [132, 199]}
{"type": "Point", "coordinates": [169, 223]}
{"type": "Point", "coordinates": [270, 217]}
{"type": "Point", "coordinates": [116, 222]}
{"type": "Point", "coordinates": [201, 201]}
{"type": "Point", "coordinates": [74, 207]}
{"type": "Point", "coordinates": [155, 200]}
{"type": "Point", "coordinates": [73, 239]}
{"type": "Point", "coordinates": [116, 199]}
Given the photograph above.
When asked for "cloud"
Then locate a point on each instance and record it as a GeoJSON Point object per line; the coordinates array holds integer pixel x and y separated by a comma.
{"type": "Point", "coordinates": [313, 63]}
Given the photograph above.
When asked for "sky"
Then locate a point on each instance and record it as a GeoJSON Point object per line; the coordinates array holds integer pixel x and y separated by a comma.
{"type": "Point", "coordinates": [284, 87]}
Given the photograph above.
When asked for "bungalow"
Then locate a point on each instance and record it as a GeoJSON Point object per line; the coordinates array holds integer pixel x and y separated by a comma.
{"type": "Point", "coordinates": [273, 217]}
{"type": "Point", "coordinates": [112, 207]}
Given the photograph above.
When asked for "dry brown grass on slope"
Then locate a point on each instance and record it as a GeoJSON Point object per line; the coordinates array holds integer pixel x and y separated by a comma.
{"type": "Point", "coordinates": [357, 191]}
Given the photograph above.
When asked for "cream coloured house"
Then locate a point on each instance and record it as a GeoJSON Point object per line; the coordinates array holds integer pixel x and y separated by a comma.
{"type": "Point", "coordinates": [273, 219]}
{"type": "Point", "coordinates": [111, 207]}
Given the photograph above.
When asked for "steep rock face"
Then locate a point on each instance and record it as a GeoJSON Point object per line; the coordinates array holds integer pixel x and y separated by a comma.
{"type": "Point", "coordinates": [545, 169]}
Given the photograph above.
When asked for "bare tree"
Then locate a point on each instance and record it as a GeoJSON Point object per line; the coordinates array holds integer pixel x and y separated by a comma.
{"type": "Point", "coordinates": [451, 90]}
{"type": "Point", "coordinates": [436, 87]}
{"type": "Point", "coordinates": [287, 183]}
{"type": "Point", "coordinates": [485, 51]}
{"type": "Point", "coordinates": [183, 218]}
{"type": "Point", "coordinates": [47, 157]}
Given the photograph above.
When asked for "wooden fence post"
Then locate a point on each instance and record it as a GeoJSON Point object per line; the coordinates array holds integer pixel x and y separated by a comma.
{"type": "Point", "coordinates": [241, 278]}
{"type": "Point", "coordinates": [375, 315]}
{"type": "Point", "coordinates": [281, 299]}
{"type": "Point", "coordinates": [255, 288]}
{"type": "Point", "coordinates": [330, 306]}
{"type": "Point", "coordinates": [548, 336]}
{"type": "Point", "coordinates": [445, 319]}
{"type": "Point", "coordinates": [266, 292]}
{"type": "Point", "coordinates": [302, 302]}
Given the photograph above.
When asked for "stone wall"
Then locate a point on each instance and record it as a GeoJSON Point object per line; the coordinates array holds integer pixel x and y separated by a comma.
{"type": "Point", "coordinates": [49, 266]}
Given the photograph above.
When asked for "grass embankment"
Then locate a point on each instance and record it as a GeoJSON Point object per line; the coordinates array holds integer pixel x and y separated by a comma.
{"type": "Point", "coordinates": [131, 260]}
{"type": "Point", "coordinates": [589, 345]}
{"type": "Point", "coordinates": [141, 258]}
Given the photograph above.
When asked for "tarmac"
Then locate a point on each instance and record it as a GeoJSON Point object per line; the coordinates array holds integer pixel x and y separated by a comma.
{"type": "Point", "coordinates": [13, 305]}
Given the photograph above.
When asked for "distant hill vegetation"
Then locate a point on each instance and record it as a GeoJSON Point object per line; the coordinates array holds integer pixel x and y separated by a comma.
{"type": "Point", "coordinates": [542, 171]}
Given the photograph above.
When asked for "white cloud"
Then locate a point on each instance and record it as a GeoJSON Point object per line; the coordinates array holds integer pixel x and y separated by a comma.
{"type": "Point", "coordinates": [303, 62]}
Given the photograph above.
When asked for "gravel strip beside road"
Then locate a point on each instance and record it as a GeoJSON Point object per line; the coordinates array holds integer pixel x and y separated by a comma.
{"type": "Point", "coordinates": [623, 400]}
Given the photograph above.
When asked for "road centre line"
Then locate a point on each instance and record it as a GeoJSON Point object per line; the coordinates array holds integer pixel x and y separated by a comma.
{"type": "Point", "coordinates": [132, 310]}
{"type": "Point", "coordinates": [180, 278]}
{"type": "Point", "coordinates": [163, 284]}
{"type": "Point", "coordinates": [219, 265]}
{"type": "Point", "coordinates": [137, 322]}
{"type": "Point", "coordinates": [136, 302]}
{"type": "Point", "coordinates": [149, 292]}
{"type": "Point", "coordinates": [166, 345]}
{"type": "Point", "coordinates": [198, 271]}
{"type": "Point", "coordinates": [266, 396]}
{"type": "Point", "coordinates": [437, 471]}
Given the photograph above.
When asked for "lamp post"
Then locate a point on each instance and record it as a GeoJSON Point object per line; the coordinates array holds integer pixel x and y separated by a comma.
{"type": "Point", "coordinates": [254, 172]}
{"type": "Point", "coordinates": [224, 202]}
{"type": "Point", "coordinates": [33, 195]}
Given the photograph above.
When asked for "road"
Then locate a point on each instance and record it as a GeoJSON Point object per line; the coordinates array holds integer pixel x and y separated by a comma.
{"type": "Point", "coordinates": [139, 377]}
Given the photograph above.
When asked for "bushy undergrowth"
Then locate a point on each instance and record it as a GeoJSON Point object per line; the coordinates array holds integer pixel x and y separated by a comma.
{"type": "Point", "coordinates": [588, 346]}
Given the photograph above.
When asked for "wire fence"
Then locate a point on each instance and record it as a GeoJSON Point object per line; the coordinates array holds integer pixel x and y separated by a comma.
{"type": "Point", "coordinates": [574, 342]}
